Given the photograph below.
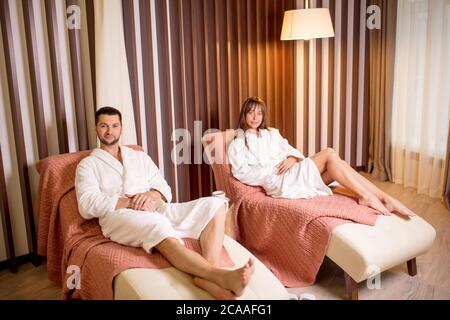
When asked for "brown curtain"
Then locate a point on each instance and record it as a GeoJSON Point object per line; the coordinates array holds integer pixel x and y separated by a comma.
{"type": "Point", "coordinates": [382, 58]}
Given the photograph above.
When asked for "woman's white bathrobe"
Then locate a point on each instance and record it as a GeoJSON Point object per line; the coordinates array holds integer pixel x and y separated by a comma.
{"type": "Point", "coordinates": [255, 164]}
{"type": "Point", "coordinates": [101, 180]}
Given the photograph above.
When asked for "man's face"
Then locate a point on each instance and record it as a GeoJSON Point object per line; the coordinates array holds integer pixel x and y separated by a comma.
{"type": "Point", "coordinates": [109, 129]}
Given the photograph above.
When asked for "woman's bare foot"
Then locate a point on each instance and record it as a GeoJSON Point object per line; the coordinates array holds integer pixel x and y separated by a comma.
{"type": "Point", "coordinates": [388, 206]}
{"type": "Point", "coordinates": [236, 280]}
{"type": "Point", "coordinates": [374, 203]}
{"type": "Point", "coordinates": [399, 207]}
{"type": "Point", "coordinates": [213, 289]}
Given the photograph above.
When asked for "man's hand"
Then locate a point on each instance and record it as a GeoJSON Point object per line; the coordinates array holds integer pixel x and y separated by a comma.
{"type": "Point", "coordinates": [139, 200]}
{"type": "Point", "coordinates": [286, 165]}
{"type": "Point", "coordinates": [151, 206]}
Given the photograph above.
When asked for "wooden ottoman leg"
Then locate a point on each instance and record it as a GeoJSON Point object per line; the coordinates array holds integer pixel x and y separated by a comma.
{"type": "Point", "coordinates": [351, 287]}
{"type": "Point", "coordinates": [412, 267]}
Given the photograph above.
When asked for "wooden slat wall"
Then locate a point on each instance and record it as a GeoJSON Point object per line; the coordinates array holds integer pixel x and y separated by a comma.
{"type": "Point", "coordinates": [179, 100]}
{"type": "Point", "coordinates": [35, 100]}
{"type": "Point", "coordinates": [56, 70]}
{"type": "Point", "coordinates": [166, 100]}
{"type": "Point", "coordinates": [188, 61]}
{"type": "Point", "coordinates": [77, 81]}
{"type": "Point", "coordinates": [211, 56]}
{"type": "Point", "coordinates": [334, 114]}
{"type": "Point", "coordinates": [6, 219]}
{"type": "Point", "coordinates": [148, 74]}
{"type": "Point", "coordinates": [129, 28]}
{"type": "Point", "coordinates": [36, 87]}
{"type": "Point", "coordinates": [91, 40]}
{"type": "Point", "coordinates": [15, 102]}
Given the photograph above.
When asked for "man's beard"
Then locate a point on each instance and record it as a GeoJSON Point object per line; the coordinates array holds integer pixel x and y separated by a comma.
{"type": "Point", "coordinates": [103, 141]}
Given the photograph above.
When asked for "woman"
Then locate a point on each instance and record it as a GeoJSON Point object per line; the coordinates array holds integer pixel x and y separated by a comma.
{"type": "Point", "coordinates": [262, 157]}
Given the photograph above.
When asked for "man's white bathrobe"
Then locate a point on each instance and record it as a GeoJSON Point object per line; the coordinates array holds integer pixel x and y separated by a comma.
{"type": "Point", "coordinates": [254, 162]}
{"type": "Point", "coordinates": [101, 179]}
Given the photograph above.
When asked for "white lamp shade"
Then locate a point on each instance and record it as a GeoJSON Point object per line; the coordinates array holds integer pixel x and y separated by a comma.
{"type": "Point", "coordinates": [306, 24]}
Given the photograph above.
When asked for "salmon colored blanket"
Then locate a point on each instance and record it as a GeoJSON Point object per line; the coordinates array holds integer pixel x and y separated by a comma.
{"type": "Point", "coordinates": [71, 243]}
{"type": "Point", "coordinates": [289, 236]}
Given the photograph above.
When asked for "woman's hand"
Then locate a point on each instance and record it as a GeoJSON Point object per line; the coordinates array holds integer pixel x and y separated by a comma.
{"type": "Point", "coordinates": [286, 165]}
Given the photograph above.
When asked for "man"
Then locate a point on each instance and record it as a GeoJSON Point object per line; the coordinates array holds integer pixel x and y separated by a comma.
{"type": "Point", "coordinates": [124, 189]}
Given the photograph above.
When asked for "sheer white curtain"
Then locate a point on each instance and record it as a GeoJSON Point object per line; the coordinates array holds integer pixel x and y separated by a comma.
{"type": "Point", "coordinates": [421, 103]}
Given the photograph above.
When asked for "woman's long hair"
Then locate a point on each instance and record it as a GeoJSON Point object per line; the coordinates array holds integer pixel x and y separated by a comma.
{"type": "Point", "coordinates": [251, 104]}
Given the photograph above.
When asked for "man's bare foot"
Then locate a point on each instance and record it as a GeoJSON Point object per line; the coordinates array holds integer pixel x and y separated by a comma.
{"type": "Point", "coordinates": [236, 280]}
{"type": "Point", "coordinates": [213, 289]}
{"type": "Point", "coordinates": [374, 203]}
{"type": "Point", "coordinates": [399, 207]}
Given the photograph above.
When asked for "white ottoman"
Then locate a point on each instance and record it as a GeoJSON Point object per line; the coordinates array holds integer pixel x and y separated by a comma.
{"type": "Point", "coordinates": [172, 284]}
{"type": "Point", "coordinates": [363, 251]}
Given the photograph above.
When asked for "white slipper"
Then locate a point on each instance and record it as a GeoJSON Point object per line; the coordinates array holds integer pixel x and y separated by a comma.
{"type": "Point", "coordinates": [307, 296]}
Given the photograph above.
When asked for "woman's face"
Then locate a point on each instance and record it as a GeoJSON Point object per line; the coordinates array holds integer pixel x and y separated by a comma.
{"type": "Point", "coordinates": [254, 117]}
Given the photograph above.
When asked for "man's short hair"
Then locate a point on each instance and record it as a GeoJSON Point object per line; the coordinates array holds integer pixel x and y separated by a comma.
{"type": "Point", "coordinates": [110, 111]}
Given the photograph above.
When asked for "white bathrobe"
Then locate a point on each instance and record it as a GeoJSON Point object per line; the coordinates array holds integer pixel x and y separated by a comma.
{"type": "Point", "coordinates": [255, 164]}
{"type": "Point", "coordinates": [101, 179]}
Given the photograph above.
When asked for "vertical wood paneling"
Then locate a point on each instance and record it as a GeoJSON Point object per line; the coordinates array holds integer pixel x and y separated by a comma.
{"type": "Point", "coordinates": [222, 60]}
{"type": "Point", "coordinates": [91, 41]}
{"type": "Point", "coordinates": [221, 52]}
{"type": "Point", "coordinates": [130, 45]}
{"type": "Point", "coordinates": [366, 124]}
{"type": "Point", "coordinates": [288, 108]}
{"type": "Point", "coordinates": [210, 65]}
{"type": "Point", "coordinates": [211, 71]}
{"type": "Point", "coordinates": [355, 80]}
{"type": "Point", "coordinates": [180, 109]}
{"type": "Point", "coordinates": [6, 218]}
{"type": "Point", "coordinates": [214, 54]}
{"type": "Point", "coordinates": [243, 52]}
{"type": "Point", "coordinates": [280, 123]}
{"type": "Point", "coordinates": [149, 85]}
{"type": "Point", "coordinates": [200, 85]}
{"type": "Point", "coordinates": [14, 98]}
{"type": "Point", "coordinates": [196, 51]}
{"type": "Point", "coordinates": [165, 90]}
{"type": "Point", "coordinates": [269, 40]}
{"type": "Point", "coordinates": [46, 62]}
{"type": "Point", "coordinates": [260, 51]}
{"type": "Point", "coordinates": [57, 81]}
{"type": "Point", "coordinates": [346, 88]}
{"type": "Point", "coordinates": [233, 72]}
{"type": "Point", "coordinates": [318, 86]}
{"type": "Point", "coordinates": [306, 52]}
{"type": "Point", "coordinates": [36, 87]}
{"type": "Point", "coordinates": [41, 83]}
{"type": "Point", "coordinates": [188, 85]}
{"type": "Point", "coordinates": [343, 78]}
{"type": "Point", "coordinates": [252, 45]}
{"type": "Point", "coordinates": [331, 76]}
{"type": "Point", "coordinates": [275, 115]}
{"type": "Point", "coordinates": [77, 81]}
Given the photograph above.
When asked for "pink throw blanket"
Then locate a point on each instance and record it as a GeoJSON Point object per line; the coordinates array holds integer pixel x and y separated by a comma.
{"type": "Point", "coordinates": [66, 239]}
{"type": "Point", "coordinates": [289, 236]}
